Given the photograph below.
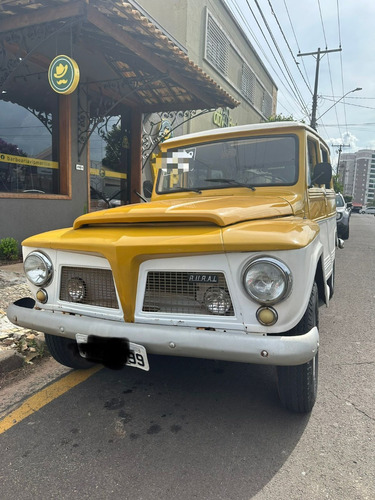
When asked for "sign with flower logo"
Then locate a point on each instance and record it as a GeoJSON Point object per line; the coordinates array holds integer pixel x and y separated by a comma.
{"type": "Point", "coordinates": [63, 74]}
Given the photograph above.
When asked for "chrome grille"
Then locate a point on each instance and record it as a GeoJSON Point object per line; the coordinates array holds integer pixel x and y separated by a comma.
{"type": "Point", "coordinates": [98, 285]}
{"type": "Point", "coordinates": [175, 292]}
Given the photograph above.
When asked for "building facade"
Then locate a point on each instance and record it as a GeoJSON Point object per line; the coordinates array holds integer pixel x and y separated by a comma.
{"type": "Point", "coordinates": [214, 40]}
{"type": "Point", "coordinates": [357, 175]}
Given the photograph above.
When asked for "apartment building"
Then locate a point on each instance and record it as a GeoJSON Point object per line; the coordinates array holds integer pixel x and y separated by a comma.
{"type": "Point", "coordinates": [357, 174]}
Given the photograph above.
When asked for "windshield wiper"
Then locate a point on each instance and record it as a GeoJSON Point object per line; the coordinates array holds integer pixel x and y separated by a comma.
{"type": "Point", "coordinates": [181, 189]}
{"type": "Point", "coordinates": [233, 182]}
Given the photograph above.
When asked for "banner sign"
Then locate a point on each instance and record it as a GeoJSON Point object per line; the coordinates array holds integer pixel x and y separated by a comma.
{"type": "Point", "coordinates": [30, 162]}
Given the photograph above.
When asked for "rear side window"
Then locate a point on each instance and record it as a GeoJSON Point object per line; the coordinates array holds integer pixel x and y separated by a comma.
{"type": "Point", "coordinates": [324, 154]}
{"type": "Point", "coordinates": [312, 157]}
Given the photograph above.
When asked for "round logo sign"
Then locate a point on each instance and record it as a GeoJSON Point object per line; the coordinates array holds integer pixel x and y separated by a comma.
{"type": "Point", "coordinates": [63, 75]}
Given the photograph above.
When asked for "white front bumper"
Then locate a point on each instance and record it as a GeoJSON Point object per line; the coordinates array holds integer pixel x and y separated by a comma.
{"type": "Point", "coordinates": [227, 345]}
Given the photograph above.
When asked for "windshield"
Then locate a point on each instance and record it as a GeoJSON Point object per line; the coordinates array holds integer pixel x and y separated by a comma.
{"type": "Point", "coordinates": [248, 162]}
{"type": "Point", "coordinates": [339, 201]}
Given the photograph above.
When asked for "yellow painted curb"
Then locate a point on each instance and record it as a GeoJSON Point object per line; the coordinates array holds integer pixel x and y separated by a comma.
{"type": "Point", "coordinates": [45, 396]}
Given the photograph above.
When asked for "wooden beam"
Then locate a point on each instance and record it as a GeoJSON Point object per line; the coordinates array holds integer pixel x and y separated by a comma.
{"type": "Point", "coordinates": [35, 58]}
{"type": "Point", "coordinates": [106, 26]}
{"type": "Point", "coordinates": [42, 15]}
{"type": "Point", "coordinates": [65, 142]}
{"type": "Point", "coordinates": [135, 167]}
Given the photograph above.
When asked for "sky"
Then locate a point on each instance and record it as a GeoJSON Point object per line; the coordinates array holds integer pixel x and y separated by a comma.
{"type": "Point", "coordinates": [303, 26]}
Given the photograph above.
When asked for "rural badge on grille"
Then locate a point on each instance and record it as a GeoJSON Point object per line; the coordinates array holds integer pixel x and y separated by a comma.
{"type": "Point", "coordinates": [63, 74]}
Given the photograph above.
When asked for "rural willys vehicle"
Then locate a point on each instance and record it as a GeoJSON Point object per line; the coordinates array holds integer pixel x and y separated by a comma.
{"type": "Point", "coordinates": [228, 261]}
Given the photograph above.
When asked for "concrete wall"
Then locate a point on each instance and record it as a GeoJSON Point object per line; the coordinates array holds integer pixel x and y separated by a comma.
{"type": "Point", "coordinates": [185, 20]}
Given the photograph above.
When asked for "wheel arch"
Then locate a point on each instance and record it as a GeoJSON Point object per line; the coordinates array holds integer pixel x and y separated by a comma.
{"type": "Point", "coordinates": [320, 280]}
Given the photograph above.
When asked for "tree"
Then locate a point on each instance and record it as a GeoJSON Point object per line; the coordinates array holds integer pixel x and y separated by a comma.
{"type": "Point", "coordinates": [337, 186]}
{"type": "Point", "coordinates": [115, 144]}
{"type": "Point", "coordinates": [10, 149]}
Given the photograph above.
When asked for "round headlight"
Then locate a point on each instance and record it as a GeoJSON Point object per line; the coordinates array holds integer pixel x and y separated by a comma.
{"type": "Point", "coordinates": [38, 268]}
{"type": "Point", "coordinates": [267, 280]}
{"type": "Point", "coordinates": [217, 301]}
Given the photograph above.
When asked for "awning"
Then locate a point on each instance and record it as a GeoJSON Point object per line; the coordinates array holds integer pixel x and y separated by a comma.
{"type": "Point", "coordinates": [123, 57]}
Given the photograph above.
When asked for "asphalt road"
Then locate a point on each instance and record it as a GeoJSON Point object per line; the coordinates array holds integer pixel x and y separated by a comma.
{"type": "Point", "coordinates": [196, 429]}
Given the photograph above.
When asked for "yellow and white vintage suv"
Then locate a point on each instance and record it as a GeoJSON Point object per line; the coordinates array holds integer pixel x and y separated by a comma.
{"type": "Point", "coordinates": [228, 261]}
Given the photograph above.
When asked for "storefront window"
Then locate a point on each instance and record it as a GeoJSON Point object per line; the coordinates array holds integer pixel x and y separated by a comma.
{"type": "Point", "coordinates": [109, 147]}
{"type": "Point", "coordinates": [28, 150]}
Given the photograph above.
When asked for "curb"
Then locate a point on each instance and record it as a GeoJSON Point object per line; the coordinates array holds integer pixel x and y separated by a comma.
{"type": "Point", "coordinates": [31, 345]}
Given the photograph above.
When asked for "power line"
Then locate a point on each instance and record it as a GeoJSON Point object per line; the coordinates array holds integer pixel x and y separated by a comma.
{"type": "Point", "coordinates": [299, 50]}
{"type": "Point", "coordinates": [296, 89]}
{"type": "Point", "coordinates": [350, 104]}
{"type": "Point", "coordinates": [234, 5]}
{"type": "Point", "coordinates": [328, 59]}
{"type": "Point", "coordinates": [287, 44]}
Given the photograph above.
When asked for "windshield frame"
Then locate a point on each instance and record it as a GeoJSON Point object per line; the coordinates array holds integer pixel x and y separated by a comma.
{"type": "Point", "coordinates": [183, 165]}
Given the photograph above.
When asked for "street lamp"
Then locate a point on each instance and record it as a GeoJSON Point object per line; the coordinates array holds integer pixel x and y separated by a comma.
{"type": "Point", "coordinates": [341, 98]}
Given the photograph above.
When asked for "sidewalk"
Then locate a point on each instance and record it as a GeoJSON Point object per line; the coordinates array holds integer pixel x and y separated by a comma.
{"type": "Point", "coordinates": [17, 345]}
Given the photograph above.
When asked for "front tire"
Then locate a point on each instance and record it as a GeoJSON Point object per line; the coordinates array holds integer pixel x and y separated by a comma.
{"type": "Point", "coordinates": [331, 282]}
{"type": "Point", "coordinates": [65, 351]}
{"type": "Point", "coordinates": [298, 385]}
{"type": "Point", "coordinates": [345, 233]}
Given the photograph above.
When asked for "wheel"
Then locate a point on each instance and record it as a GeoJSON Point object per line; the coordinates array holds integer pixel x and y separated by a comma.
{"type": "Point", "coordinates": [331, 282]}
{"type": "Point", "coordinates": [298, 384]}
{"type": "Point", "coordinates": [345, 233]}
{"type": "Point", "coordinates": [65, 352]}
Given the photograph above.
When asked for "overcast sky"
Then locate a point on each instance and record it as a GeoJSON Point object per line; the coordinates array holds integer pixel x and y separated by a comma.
{"type": "Point", "coordinates": [307, 25]}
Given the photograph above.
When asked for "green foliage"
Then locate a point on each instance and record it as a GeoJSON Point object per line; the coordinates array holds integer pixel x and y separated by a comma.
{"type": "Point", "coordinates": [339, 188]}
{"type": "Point", "coordinates": [115, 144]}
{"type": "Point", "coordinates": [281, 118]}
{"type": "Point", "coordinates": [9, 249]}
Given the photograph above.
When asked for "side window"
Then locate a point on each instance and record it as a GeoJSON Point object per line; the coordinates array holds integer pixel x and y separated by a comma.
{"type": "Point", "coordinates": [35, 148]}
{"type": "Point", "coordinates": [312, 158]}
{"type": "Point", "coordinates": [324, 154]}
{"type": "Point", "coordinates": [29, 155]}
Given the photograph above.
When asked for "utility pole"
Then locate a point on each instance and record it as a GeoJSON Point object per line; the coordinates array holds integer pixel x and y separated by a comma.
{"type": "Point", "coordinates": [340, 146]}
{"type": "Point", "coordinates": [318, 55]}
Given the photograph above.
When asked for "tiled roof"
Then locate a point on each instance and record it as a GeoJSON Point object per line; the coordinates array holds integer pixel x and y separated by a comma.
{"type": "Point", "coordinates": [114, 41]}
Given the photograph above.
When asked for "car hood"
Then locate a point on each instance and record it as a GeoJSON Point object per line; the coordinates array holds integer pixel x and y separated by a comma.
{"type": "Point", "coordinates": [219, 210]}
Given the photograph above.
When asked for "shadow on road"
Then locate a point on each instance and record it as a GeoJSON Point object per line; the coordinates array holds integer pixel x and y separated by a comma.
{"type": "Point", "coordinates": [187, 429]}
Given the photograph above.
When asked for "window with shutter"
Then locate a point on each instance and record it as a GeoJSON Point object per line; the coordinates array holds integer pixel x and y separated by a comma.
{"type": "Point", "coordinates": [217, 46]}
{"type": "Point", "coordinates": [248, 83]}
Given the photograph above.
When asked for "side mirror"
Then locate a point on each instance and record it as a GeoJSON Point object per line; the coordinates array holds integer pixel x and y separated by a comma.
{"type": "Point", "coordinates": [147, 188]}
{"type": "Point", "coordinates": [322, 174]}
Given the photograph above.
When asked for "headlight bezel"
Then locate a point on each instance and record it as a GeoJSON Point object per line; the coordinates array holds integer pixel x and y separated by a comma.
{"type": "Point", "coordinates": [46, 264]}
{"type": "Point", "coordinates": [281, 267]}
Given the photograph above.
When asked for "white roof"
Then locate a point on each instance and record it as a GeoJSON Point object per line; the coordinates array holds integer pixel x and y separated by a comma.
{"type": "Point", "coordinates": [240, 128]}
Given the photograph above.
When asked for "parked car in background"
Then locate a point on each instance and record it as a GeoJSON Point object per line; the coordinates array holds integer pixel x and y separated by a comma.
{"type": "Point", "coordinates": [342, 217]}
{"type": "Point", "coordinates": [356, 208]}
{"type": "Point", "coordinates": [368, 210]}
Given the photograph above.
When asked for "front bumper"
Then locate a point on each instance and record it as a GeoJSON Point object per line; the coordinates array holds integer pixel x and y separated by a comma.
{"type": "Point", "coordinates": [223, 345]}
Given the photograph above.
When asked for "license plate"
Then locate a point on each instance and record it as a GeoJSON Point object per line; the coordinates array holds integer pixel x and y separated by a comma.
{"type": "Point", "coordinates": [137, 356]}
